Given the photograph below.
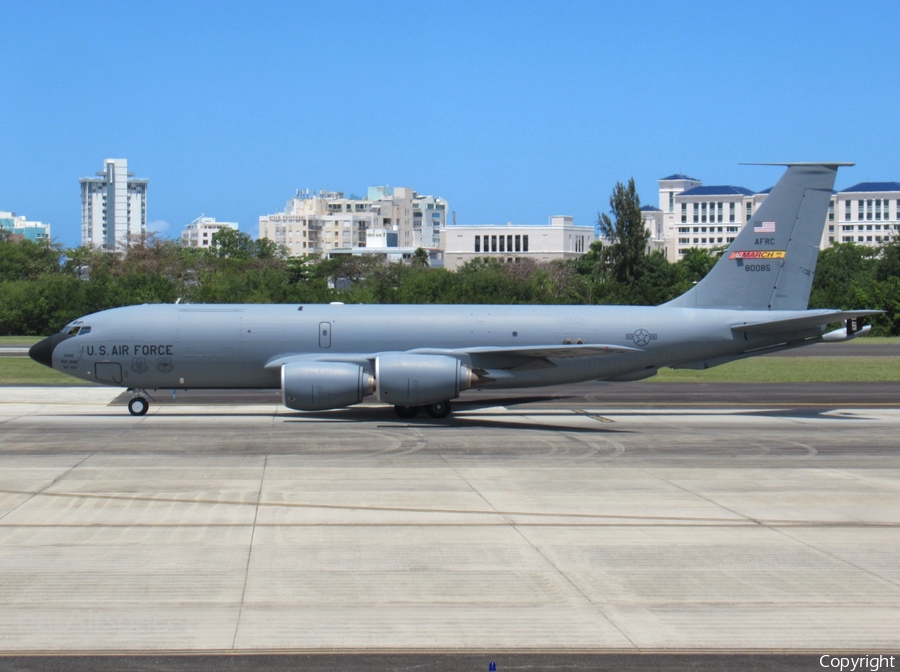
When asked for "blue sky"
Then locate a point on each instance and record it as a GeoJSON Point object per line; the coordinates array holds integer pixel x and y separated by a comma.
{"type": "Point", "coordinates": [512, 111]}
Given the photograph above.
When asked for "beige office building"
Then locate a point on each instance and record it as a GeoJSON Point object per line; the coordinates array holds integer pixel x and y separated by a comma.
{"type": "Point", "coordinates": [512, 243]}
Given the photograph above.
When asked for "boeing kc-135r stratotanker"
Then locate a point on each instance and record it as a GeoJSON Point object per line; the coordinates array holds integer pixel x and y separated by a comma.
{"type": "Point", "coordinates": [754, 301]}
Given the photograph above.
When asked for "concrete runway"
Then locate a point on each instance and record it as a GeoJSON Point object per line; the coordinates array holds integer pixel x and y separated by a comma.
{"type": "Point", "coordinates": [592, 520]}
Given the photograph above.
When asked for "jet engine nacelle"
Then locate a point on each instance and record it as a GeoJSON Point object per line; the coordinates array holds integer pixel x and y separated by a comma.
{"type": "Point", "coordinates": [318, 386]}
{"type": "Point", "coordinates": [419, 380]}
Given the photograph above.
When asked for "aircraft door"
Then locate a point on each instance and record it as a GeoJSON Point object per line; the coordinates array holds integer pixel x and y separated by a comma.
{"type": "Point", "coordinates": [324, 334]}
{"type": "Point", "coordinates": [108, 372]}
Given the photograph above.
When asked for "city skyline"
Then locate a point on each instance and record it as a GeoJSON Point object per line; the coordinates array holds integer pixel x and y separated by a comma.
{"type": "Point", "coordinates": [509, 111]}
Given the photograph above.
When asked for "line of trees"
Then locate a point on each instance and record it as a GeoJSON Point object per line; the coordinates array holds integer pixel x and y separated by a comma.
{"type": "Point", "coordinates": [43, 287]}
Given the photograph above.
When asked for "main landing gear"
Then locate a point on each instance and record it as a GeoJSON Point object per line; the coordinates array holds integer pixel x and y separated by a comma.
{"type": "Point", "coordinates": [138, 404]}
{"type": "Point", "coordinates": [440, 409]}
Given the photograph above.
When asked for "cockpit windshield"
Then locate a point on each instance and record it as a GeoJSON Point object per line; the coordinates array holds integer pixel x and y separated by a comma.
{"type": "Point", "coordinates": [77, 330]}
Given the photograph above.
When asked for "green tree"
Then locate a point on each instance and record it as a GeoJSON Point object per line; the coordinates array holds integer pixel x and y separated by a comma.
{"type": "Point", "coordinates": [268, 249]}
{"type": "Point", "coordinates": [228, 243]}
{"type": "Point", "coordinates": [624, 255]}
{"type": "Point", "coordinates": [840, 271]}
{"type": "Point", "coordinates": [888, 264]}
{"type": "Point", "coordinates": [420, 258]}
{"type": "Point", "coordinates": [27, 260]}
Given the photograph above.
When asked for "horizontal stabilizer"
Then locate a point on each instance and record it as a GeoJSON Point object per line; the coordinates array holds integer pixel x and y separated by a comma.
{"type": "Point", "coordinates": [808, 321]}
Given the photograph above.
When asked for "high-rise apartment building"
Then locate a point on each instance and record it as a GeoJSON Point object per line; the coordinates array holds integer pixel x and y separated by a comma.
{"type": "Point", "coordinates": [113, 207]}
{"type": "Point", "coordinates": [318, 223]}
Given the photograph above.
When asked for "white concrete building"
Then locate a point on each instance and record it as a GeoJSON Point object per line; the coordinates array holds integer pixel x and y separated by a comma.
{"type": "Point", "coordinates": [19, 226]}
{"type": "Point", "coordinates": [561, 239]}
{"type": "Point", "coordinates": [199, 233]}
{"type": "Point", "coordinates": [385, 243]}
{"type": "Point", "coordinates": [324, 221]}
{"type": "Point", "coordinates": [113, 207]}
{"type": "Point", "coordinates": [869, 213]}
{"type": "Point", "coordinates": [693, 215]}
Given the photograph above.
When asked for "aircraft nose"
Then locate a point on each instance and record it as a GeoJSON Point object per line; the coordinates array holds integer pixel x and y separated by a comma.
{"type": "Point", "coordinates": [42, 351]}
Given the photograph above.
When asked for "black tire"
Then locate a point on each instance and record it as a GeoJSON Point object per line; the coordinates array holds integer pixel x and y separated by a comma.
{"type": "Point", "coordinates": [440, 409]}
{"type": "Point", "coordinates": [138, 406]}
{"type": "Point", "coordinates": [407, 412]}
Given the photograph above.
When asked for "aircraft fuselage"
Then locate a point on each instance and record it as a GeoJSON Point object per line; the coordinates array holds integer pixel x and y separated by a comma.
{"type": "Point", "coordinates": [215, 346]}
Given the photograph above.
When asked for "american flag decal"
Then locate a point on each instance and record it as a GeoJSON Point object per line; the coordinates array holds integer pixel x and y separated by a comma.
{"type": "Point", "coordinates": [765, 227]}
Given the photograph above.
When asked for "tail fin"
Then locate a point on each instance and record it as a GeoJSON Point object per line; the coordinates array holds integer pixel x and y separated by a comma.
{"type": "Point", "coordinates": [770, 264]}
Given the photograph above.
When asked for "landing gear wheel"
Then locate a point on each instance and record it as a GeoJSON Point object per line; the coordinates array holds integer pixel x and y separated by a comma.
{"type": "Point", "coordinates": [407, 412]}
{"type": "Point", "coordinates": [138, 406]}
{"type": "Point", "coordinates": [440, 409]}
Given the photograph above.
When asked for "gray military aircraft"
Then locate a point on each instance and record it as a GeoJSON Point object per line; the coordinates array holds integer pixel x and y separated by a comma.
{"type": "Point", "coordinates": [753, 302]}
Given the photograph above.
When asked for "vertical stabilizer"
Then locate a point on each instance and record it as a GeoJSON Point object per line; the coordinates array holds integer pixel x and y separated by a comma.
{"type": "Point", "coordinates": [770, 264]}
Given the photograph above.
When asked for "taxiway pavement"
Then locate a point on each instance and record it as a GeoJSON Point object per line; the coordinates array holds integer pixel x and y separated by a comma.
{"type": "Point", "coordinates": [225, 523]}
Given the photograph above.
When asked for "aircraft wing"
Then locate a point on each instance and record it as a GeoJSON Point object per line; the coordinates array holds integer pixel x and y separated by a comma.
{"type": "Point", "coordinates": [483, 357]}
{"type": "Point", "coordinates": [814, 319]}
{"type": "Point", "coordinates": [536, 351]}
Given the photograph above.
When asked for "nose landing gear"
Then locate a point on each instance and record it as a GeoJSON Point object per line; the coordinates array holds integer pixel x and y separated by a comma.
{"type": "Point", "coordinates": [138, 405]}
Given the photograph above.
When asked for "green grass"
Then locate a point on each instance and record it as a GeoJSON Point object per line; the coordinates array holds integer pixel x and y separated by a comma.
{"type": "Point", "coordinates": [25, 371]}
{"type": "Point", "coordinates": [791, 370]}
{"type": "Point", "coordinates": [19, 340]}
{"type": "Point", "coordinates": [878, 340]}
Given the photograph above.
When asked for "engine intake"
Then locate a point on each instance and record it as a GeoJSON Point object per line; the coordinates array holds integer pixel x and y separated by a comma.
{"type": "Point", "coordinates": [418, 380]}
{"type": "Point", "coordinates": [319, 386]}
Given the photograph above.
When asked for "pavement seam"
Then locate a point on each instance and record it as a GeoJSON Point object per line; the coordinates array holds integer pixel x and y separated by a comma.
{"type": "Point", "coordinates": [835, 557]}
{"type": "Point", "coordinates": [654, 520]}
{"type": "Point", "coordinates": [552, 564]}
{"type": "Point", "coordinates": [237, 625]}
{"type": "Point", "coordinates": [779, 530]}
{"type": "Point", "coordinates": [43, 491]}
{"type": "Point", "coordinates": [741, 516]}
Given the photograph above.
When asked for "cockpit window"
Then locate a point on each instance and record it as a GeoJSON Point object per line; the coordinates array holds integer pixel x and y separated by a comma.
{"type": "Point", "coordinates": [84, 330]}
{"type": "Point", "coordinates": [74, 331]}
